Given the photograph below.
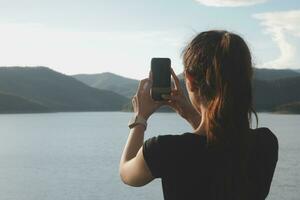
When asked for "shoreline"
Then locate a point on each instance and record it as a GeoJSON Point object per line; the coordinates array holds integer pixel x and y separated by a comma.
{"type": "Point", "coordinates": [94, 111]}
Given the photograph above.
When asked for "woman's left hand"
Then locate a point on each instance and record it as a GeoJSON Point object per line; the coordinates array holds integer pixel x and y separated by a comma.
{"type": "Point", "coordinates": [142, 102]}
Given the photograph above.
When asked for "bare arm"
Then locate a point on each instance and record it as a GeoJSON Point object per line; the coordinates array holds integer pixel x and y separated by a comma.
{"type": "Point", "coordinates": [133, 168]}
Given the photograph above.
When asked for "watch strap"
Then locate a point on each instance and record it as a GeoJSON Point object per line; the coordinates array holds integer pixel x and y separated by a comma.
{"type": "Point", "coordinates": [137, 119]}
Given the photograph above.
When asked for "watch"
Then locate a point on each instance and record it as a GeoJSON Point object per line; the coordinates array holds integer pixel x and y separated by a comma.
{"type": "Point", "coordinates": [135, 120]}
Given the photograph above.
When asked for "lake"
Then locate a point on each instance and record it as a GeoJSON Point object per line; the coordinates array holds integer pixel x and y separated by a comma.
{"type": "Point", "coordinates": [63, 156]}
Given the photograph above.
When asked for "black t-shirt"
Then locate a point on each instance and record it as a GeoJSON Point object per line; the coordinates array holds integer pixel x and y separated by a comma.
{"type": "Point", "coordinates": [185, 167]}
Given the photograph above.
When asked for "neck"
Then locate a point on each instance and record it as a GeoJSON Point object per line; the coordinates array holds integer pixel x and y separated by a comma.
{"type": "Point", "coordinates": [200, 129]}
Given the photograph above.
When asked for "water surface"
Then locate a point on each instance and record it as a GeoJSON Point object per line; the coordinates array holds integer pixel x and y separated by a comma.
{"type": "Point", "coordinates": [65, 156]}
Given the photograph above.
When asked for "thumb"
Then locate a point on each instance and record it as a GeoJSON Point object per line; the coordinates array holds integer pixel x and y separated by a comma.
{"type": "Point", "coordinates": [166, 96]}
{"type": "Point", "coordinates": [171, 97]}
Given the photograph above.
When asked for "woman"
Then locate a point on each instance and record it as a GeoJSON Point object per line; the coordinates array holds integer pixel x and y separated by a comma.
{"type": "Point", "coordinates": [223, 158]}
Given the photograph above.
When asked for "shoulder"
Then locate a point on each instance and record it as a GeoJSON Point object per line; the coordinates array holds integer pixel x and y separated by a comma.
{"type": "Point", "coordinates": [159, 152]}
{"type": "Point", "coordinates": [162, 140]}
{"type": "Point", "coordinates": [174, 142]}
{"type": "Point", "coordinates": [174, 138]}
{"type": "Point", "coordinates": [266, 135]}
{"type": "Point", "coordinates": [266, 139]}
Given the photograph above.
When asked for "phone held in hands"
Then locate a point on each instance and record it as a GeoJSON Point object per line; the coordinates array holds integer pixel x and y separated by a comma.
{"type": "Point", "coordinates": [161, 78]}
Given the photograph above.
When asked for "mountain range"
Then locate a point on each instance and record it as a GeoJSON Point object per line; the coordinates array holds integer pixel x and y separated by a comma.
{"type": "Point", "coordinates": [273, 74]}
{"type": "Point", "coordinates": [272, 88]}
{"type": "Point", "coordinates": [41, 89]}
{"type": "Point", "coordinates": [127, 87]}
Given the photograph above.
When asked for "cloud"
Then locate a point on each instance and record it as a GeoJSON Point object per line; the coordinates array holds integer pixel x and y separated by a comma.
{"type": "Point", "coordinates": [230, 3]}
{"type": "Point", "coordinates": [283, 26]}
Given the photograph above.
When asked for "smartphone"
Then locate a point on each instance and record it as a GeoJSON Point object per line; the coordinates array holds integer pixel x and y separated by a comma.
{"type": "Point", "coordinates": [161, 78]}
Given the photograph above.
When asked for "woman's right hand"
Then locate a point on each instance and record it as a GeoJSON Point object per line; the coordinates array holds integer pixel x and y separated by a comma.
{"type": "Point", "coordinates": [180, 103]}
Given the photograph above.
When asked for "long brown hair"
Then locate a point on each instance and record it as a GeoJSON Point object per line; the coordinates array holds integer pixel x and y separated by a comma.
{"type": "Point", "coordinates": [221, 66]}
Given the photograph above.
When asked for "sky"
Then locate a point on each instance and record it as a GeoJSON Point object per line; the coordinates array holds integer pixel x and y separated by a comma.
{"type": "Point", "coordinates": [95, 36]}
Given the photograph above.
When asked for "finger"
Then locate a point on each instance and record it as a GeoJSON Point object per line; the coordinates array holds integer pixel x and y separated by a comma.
{"type": "Point", "coordinates": [134, 101]}
{"type": "Point", "coordinates": [150, 75]}
{"type": "Point", "coordinates": [176, 79]}
{"type": "Point", "coordinates": [134, 98]}
{"type": "Point", "coordinates": [159, 103]}
{"type": "Point", "coordinates": [169, 103]}
{"type": "Point", "coordinates": [171, 98]}
{"type": "Point", "coordinates": [175, 93]}
{"type": "Point", "coordinates": [150, 79]}
{"type": "Point", "coordinates": [147, 86]}
{"type": "Point", "coordinates": [166, 96]}
{"type": "Point", "coordinates": [173, 87]}
{"type": "Point", "coordinates": [164, 102]}
{"type": "Point", "coordinates": [141, 86]}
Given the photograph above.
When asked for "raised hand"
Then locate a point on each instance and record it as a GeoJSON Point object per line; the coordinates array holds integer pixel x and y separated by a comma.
{"type": "Point", "coordinates": [180, 103]}
{"type": "Point", "coordinates": [142, 102]}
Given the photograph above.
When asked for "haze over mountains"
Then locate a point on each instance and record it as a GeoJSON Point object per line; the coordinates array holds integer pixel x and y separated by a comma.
{"type": "Point", "coordinates": [109, 81]}
{"type": "Point", "coordinates": [40, 89]}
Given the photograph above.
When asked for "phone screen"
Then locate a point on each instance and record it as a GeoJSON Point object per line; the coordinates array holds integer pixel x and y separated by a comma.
{"type": "Point", "coordinates": [161, 74]}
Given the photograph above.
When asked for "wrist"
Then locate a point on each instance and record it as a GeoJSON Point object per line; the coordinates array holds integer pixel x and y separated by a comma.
{"type": "Point", "coordinates": [140, 127]}
{"type": "Point", "coordinates": [145, 116]}
{"type": "Point", "coordinates": [137, 120]}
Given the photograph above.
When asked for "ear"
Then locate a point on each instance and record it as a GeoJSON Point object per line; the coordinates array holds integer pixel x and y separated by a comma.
{"type": "Point", "coordinates": [190, 82]}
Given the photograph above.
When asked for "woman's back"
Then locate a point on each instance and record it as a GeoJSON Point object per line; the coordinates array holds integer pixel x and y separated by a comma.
{"type": "Point", "coordinates": [190, 170]}
{"type": "Point", "coordinates": [223, 159]}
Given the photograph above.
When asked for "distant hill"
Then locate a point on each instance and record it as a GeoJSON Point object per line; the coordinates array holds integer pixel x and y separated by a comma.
{"type": "Point", "coordinates": [56, 91]}
{"type": "Point", "coordinates": [270, 94]}
{"type": "Point", "coordinates": [40, 89]}
{"type": "Point", "coordinates": [119, 84]}
{"type": "Point", "coordinates": [109, 81]}
{"type": "Point", "coordinates": [273, 74]}
{"type": "Point", "coordinates": [297, 70]}
{"type": "Point", "coordinates": [271, 87]}
{"type": "Point", "coordinates": [268, 74]}
{"type": "Point", "coordinates": [14, 104]}
{"type": "Point", "coordinates": [293, 108]}
{"type": "Point", "coordinates": [113, 82]}
{"type": "Point", "coordinates": [127, 86]}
